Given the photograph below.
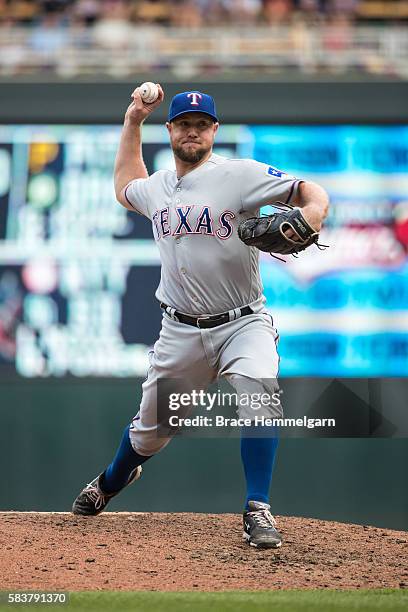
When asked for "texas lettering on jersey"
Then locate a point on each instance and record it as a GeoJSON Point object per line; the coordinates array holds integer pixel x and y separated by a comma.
{"type": "Point", "coordinates": [192, 219]}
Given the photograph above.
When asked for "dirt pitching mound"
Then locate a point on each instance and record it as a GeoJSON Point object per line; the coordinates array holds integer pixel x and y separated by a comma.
{"type": "Point", "coordinates": [186, 552]}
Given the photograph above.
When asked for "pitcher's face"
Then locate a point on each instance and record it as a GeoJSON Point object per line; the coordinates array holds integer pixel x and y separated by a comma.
{"type": "Point", "coordinates": [192, 136]}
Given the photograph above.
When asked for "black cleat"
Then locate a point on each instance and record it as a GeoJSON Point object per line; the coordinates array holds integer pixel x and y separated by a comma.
{"type": "Point", "coordinates": [92, 500]}
{"type": "Point", "coordinates": [260, 526]}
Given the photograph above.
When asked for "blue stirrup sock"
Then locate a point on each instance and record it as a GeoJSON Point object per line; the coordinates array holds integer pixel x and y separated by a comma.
{"type": "Point", "coordinates": [258, 456]}
{"type": "Point", "coordinates": [125, 461]}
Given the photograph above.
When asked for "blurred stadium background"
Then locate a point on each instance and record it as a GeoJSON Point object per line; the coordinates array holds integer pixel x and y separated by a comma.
{"type": "Point", "coordinates": [317, 88]}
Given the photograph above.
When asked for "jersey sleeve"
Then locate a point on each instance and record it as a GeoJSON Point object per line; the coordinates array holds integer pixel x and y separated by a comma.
{"type": "Point", "coordinates": [137, 194]}
{"type": "Point", "coordinates": [262, 184]}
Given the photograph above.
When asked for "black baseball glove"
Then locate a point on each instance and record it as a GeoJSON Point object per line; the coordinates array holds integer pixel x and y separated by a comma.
{"type": "Point", "coordinates": [267, 233]}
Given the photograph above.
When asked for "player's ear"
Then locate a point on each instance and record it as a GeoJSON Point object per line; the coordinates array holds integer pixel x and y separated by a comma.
{"type": "Point", "coordinates": [216, 126]}
{"type": "Point", "coordinates": [168, 126]}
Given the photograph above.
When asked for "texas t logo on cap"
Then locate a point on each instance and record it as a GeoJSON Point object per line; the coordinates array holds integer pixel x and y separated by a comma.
{"type": "Point", "coordinates": [190, 102]}
{"type": "Point", "coordinates": [194, 97]}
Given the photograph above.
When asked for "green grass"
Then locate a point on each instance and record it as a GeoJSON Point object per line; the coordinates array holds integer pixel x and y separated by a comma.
{"type": "Point", "coordinates": [229, 601]}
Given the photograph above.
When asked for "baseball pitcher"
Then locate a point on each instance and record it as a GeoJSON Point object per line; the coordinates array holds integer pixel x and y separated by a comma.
{"type": "Point", "coordinates": [206, 222]}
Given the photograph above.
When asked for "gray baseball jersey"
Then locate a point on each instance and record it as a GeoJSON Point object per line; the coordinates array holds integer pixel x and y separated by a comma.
{"type": "Point", "coordinates": [206, 269]}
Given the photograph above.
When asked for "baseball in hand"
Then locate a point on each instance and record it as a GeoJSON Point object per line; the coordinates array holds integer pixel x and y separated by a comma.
{"type": "Point", "coordinates": [149, 92]}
